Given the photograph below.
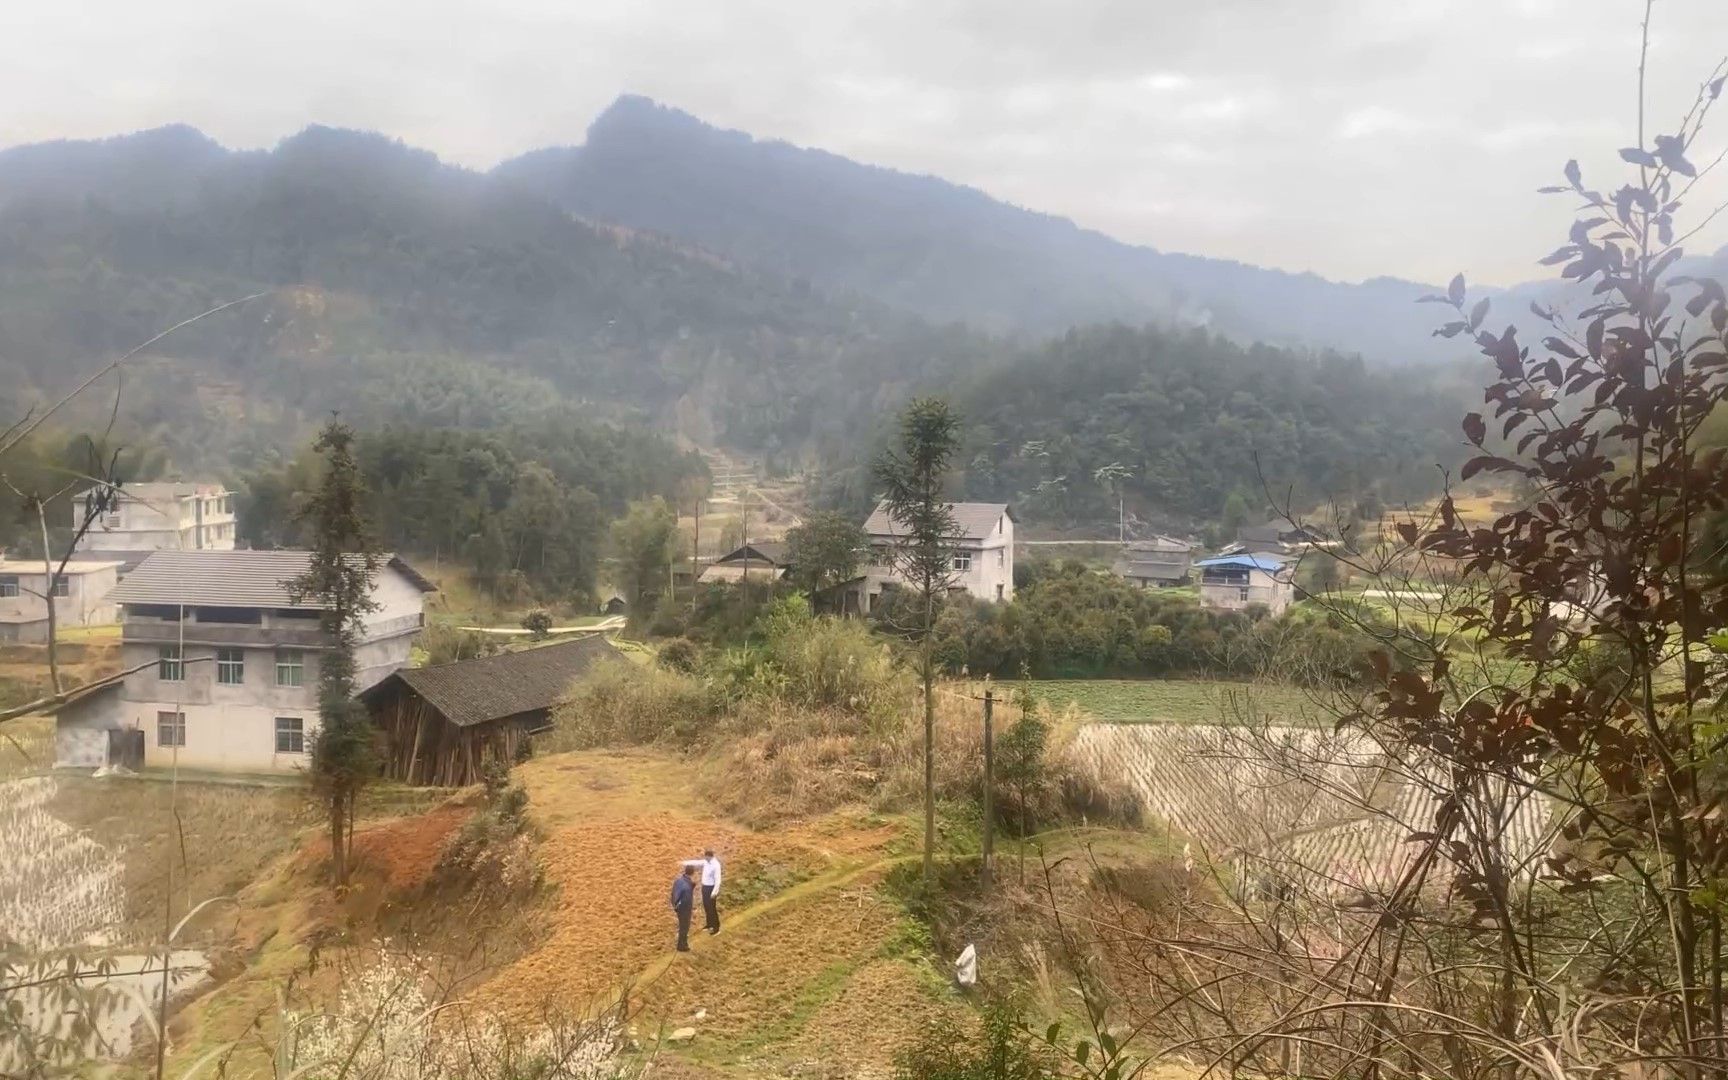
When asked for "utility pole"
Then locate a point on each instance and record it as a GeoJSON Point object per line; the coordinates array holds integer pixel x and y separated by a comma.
{"type": "Point", "coordinates": [989, 786]}
{"type": "Point", "coordinates": [695, 552]}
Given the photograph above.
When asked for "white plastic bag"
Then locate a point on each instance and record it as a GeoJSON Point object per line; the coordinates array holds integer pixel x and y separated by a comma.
{"type": "Point", "coordinates": [966, 968]}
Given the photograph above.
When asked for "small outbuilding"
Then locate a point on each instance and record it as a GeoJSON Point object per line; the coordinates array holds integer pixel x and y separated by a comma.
{"type": "Point", "coordinates": [763, 561]}
{"type": "Point", "coordinates": [442, 724]}
{"type": "Point", "coordinates": [1156, 563]}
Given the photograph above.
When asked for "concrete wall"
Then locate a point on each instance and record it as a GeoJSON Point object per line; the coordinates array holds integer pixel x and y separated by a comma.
{"type": "Point", "coordinates": [227, 726]}
{"type": "Point", "coordinates": [86, 602]}
{"type": "Point", "coordinates": [81, 730]}
{"type": "Point", "coordinates": [1274, 592]}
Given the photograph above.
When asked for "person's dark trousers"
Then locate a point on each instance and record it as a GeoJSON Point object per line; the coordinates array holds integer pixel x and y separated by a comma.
{"type": "Point", "coordinates": [683, 929]}
{"type": "Point", "coordinates": [711, 909]}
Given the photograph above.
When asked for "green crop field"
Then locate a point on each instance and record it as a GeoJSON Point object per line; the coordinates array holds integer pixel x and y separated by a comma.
{"type": "Point", "coordinates": [1180, 701]}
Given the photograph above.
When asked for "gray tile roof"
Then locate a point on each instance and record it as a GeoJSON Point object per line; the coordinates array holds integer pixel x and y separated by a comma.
{"type": "Point", "coordinates": [773, 552]}
{"type": "Point", "coordinates": [974, 521]}
{"type": "Point", "coordinates": [231, 578]}
{"type": "Point", "coordinates": [1170, 568]}
{"type": "Point", "coordinates": [468, 692]}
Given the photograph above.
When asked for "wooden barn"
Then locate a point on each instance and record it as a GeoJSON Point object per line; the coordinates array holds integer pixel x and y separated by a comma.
{"type": "Point", "coordinates": [441, 724]}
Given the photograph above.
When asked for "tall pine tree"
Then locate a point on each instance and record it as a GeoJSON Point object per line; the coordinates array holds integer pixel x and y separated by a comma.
{"type": "Point", "coordinates": [339, 577]}
{"type": "Point", "coordinates": [913, 476]}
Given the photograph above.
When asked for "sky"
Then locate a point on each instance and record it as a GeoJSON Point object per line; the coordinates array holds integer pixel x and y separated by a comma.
{"type": "Point", "coordinates": [1353, 138]}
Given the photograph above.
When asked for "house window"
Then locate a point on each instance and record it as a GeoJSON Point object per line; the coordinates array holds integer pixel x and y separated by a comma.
{"type": "Point", "coordinates": [290, 667]}
{"type": "Point", "coordinates": [963, 560]}
{"type": "Point", "coordinates": [1242, 594]}
{"type": "Point", "coordinates": [9, 585]}
{"type": "Point", "coordinates": [170, 666]}
{"type": "Point", "coordinates": [112, 521]}
{"type": "Point", "coordinates": [62, 587]}
{"type": "Point", "coordinates": [170, 729]}
{"type": "Point", "coordinates": [230, 666]}
{"type": "Point", "coordinates": [1001, 558]}
{"type": "Point", "coordinates": [999, 591]}
{"type": "Point", "coordinates": [290, 735]}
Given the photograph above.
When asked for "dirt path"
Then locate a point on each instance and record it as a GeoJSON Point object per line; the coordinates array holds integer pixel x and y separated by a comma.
{"type": "Point", "coordinates": [1053, 841]}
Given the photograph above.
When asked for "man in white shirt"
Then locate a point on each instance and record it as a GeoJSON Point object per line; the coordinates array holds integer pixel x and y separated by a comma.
{"type": "Point", "coordinates": [710, 864]}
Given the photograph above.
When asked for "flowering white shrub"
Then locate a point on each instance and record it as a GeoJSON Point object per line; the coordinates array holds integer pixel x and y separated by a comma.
{"type": "Point", "coordinates": [385, 1027]}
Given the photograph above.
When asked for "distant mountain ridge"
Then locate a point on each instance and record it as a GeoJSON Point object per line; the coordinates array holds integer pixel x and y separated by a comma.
{"type": "Point", "coordinates": [775, 301]}
{"type": "Point", "coordinates": [400, 287]}
{"type": "Point", "coordinates": [953, 253]}
{"type": "Point", "coordinates": [947, 252]}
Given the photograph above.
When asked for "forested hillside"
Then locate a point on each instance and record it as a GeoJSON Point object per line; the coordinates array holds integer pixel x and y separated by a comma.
{"type": "Point", "coordinates": [401, 288]}
{"type": "Point", "coordinates": [1189, 418]}
{"type": "Point", "coordinates": [942, 250]}
{"type": "Point", "coordinates": [523, 507]}
{"type": "Point", "coordinates": [412, 295]}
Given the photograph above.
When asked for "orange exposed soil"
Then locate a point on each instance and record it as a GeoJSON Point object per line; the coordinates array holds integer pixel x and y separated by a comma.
{"type": "Point", "coordinates": [405, 851]}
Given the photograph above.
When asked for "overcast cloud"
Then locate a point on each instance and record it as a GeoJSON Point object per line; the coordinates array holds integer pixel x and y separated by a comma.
{"type": "Point", "coordinates": [1349, 137]}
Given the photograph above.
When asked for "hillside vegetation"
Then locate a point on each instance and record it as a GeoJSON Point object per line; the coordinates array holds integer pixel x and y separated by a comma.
{"type": "Point", "coordinates": [404, 291]}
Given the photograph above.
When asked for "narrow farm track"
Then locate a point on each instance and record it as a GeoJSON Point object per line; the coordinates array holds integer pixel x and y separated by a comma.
{"type": "Point", "coordinates": [1051, 842]}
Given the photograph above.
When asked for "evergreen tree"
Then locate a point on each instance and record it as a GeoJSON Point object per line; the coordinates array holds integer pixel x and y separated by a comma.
{"type": "Point", "coordinates": [642, 541]}
{"type": "Point", "coordinates": [913, 477]}
{"type": "Point", "coordinates": [825, 551]}
{"type": "Point", "coordinates": [339, 578]}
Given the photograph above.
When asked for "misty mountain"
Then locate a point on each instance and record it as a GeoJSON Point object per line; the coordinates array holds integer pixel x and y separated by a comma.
{"type": "Point", "coordinates": [668, 276]}
{"type": "Point", "coordinates": [944, 251]}
{"type": "Point", "coordinates": [401, 287]}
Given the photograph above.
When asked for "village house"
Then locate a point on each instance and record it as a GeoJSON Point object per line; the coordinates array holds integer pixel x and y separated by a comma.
{"type": "Point", "coordinates": [80, 596]}
{"type": "Point", "coordinates": [443, 723]}
{"type": "Point", "coordinates": [983, 559]}
{"type": "Point", "coordinates": [1156, 563]}
{"type": "Point", "coordinates": [158, 517]}
{"type": "Point", "coordinates": [762, 561]}
{"type": "Point", "coordinates": [1275, 537]}
{"type": "Point", "coordinates": [227, 662]}
{"type": "Point", "coordinates": [1239, 582]}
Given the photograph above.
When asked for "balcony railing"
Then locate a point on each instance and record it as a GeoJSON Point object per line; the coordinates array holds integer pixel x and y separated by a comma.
{"type": "Point", "coordinates": [308, 636]}
{"type": "Point", "coordinates": [167, 632]}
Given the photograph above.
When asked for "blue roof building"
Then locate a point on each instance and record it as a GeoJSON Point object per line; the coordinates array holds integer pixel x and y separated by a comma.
{"type": "Point", "coordinates": [1247, 580]}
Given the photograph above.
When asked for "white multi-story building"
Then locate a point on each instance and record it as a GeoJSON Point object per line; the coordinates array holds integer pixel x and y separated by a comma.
{"type": "Point", "coordinates": [227, 662]}
{"type": "Point", "coordinates": [1239, 582]}
{"type": "Point", "coordinates": [982, 563]}
{"type": "Point", "coordinates": [80, 597]}
{"type": "Point", "coordinates": [163, 517]}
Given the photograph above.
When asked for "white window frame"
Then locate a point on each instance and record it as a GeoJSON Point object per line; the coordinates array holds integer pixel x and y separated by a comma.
{"type": "Point", "coordinates": [231, 672]}
{"type": "Point", "coordinates": [61, 588]}
{"type": "Point", "coordinates": [962, 562]}
{"type": "Point", "coordinates": [9, 586]}
{"type": "Point", "coordinates": [291, 660]}
{"type": "Point", "coordinates": [296, 734]}
{"type": "Point", "coordinates": [170, 664]}
{"type": "Point", "coordinates": [170, 729]}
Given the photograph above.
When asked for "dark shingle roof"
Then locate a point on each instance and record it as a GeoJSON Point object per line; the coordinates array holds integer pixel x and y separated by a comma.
{"type": "Point", "coordinates": [773, 552]}
{"type": "Point", "coordinates": [231, 578]}
{"type": "Point", "coordinates": [471, 692]}
{"type": "Point", "coordinates": [973, 521]}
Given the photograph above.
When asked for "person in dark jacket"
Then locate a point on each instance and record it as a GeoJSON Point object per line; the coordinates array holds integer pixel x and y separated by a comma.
{"type": "Point", "coordinates": [683, 902]}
